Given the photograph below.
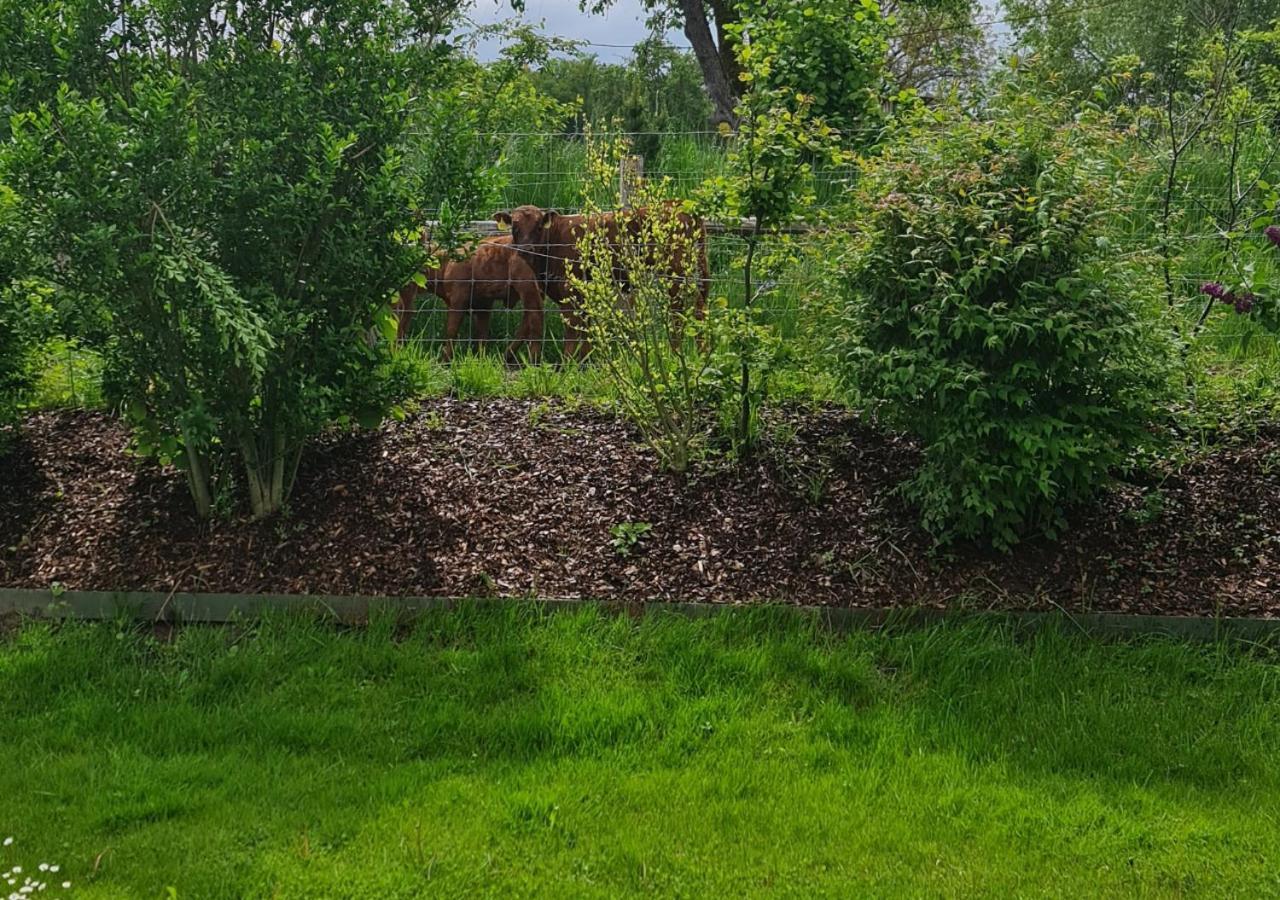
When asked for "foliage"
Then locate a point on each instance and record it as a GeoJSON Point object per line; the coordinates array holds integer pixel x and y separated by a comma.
{"type": "Point", "coordinates": [1205, 128]}
{"type": "Point", "coordinates": [626, 536]}
{"type": "Point", "coordinates": [1079, 39]}
{"type": "Point", "coordinates": [1261, 301]}
{"type": "Point", "coordinates": [234, 196]}
{"type": "Point", "coordinates": [1224, 117]}
{"type": "Point", "coordinates": [51, 45]}
{"type": "Point", "coordinates": [640, 293]}
{"type": "Point", "coordinates": [822, 51]}
{"type": "Point", "coordinates": [936, 47]}
{"type": "Point", "coordinates": [69, 376]}
{"type": "Point", "coordinates": [992, 316]}
{"type": "Point", "coordinates": [657, 90]}
{"type": "Point", "coordinates": [20, 318]}
{"type": "Point", "coordinates": [461, 125]}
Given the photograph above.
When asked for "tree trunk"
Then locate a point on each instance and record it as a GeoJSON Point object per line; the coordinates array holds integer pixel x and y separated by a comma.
{"type": "Point", "coordinates": [725, 14]}
{"type": "Point", "coordinates": [723, 92]}
{"type": "Point", "coordinates": [198, 479]}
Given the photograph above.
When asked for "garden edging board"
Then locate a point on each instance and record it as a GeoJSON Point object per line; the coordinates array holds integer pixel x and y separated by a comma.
{"type": "Point", "coordinates": [199, 608]}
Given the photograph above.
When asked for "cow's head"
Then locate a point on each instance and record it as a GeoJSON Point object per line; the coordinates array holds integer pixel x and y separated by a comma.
{"type": "Point", "coordinates": [530, 228]}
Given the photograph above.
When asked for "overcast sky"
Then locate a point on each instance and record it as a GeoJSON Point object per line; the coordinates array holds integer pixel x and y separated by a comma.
{"type": "Point", "coordinates": [623, 24]}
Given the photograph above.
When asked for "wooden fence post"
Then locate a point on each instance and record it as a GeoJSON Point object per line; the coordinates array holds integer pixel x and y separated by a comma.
{"type": "Point", "coordinates": [630, 177]}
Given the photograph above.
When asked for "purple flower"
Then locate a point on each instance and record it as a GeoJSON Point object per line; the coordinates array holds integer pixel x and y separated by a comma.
{"type": "Point", "coordinates": [1244, 303]}
{"type": "Point", "coordinates": [1273, 234]}
{"type": "Point", "coordinates": [1214, 289]}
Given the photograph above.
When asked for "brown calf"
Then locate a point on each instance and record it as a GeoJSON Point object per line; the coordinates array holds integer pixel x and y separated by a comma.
{"type": "Point", "coordinates": [494, 272]}
{"type": "Point", "coordinates": [548, 242]}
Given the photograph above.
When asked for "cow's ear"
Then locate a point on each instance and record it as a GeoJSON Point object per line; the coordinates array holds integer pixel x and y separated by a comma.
{"type": "Point", "coordinates": [502, 218]}
{"type": "Point", "coordinates": [548, 217]}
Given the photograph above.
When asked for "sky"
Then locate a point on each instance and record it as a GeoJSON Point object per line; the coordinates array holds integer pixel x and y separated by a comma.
{"type": "Point", "coordinates": [623, 24]}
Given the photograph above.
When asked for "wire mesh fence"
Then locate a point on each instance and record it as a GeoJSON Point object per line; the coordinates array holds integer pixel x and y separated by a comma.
{"type": "Point", "coordinates": [796, 283]}
{"type": "Point", "coordinates": [546, 169]}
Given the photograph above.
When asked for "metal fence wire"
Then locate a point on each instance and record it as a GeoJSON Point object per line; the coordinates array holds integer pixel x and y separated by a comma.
{"type": "Point", "coordinates": [798, 266]}
{"type": "Point", "coordinates": [461, 310]}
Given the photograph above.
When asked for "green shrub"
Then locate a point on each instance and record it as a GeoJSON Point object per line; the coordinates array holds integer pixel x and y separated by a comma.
{"type": "Point", "coordinates": [640, 290]}
{"type": "Point", "coordinates": [17, 321]}
{"type": "Point", "coordinates": [15, 368]}
{"type": "Point", "coordinates": [991, 316]}
{"type": "Point", "coordinates": [233, 191]}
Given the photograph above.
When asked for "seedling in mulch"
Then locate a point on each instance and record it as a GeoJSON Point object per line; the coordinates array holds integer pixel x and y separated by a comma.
{"type": "Point", "coordinates": [1151, 509]}
{"type": "Point", "coordinates": [803, 472]}
{"type": "Point", "coordinates": [537, 413]}
{"type": "Point", "coordinates": [627, 536]}
{"type": "Point", "coordinates": [433, 421]}
{"type": "Point", "coordinates": [1270, 463]}
{"type": "Point", "coordinates": [483, 585]}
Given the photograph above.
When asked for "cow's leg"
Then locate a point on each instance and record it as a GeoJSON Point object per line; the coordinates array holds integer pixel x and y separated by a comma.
{"type": "Point", "coordinates": [576, 345]}
{"type": "Point", "coordinates": [404, 311]}
{"type": "Point", "coordinates": [530, 331]}
{"type": "Point", "coordinates": [482, 313]}
{"type": "Point", "coordinates": [452, 324]}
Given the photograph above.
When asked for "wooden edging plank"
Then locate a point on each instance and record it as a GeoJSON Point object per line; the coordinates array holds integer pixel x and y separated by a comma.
{"type": "Point", "coordinates": [195, 608]}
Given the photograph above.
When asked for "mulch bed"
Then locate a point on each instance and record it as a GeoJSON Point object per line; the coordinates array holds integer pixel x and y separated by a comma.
{"type": "Point", "coordinates": [506, 497]}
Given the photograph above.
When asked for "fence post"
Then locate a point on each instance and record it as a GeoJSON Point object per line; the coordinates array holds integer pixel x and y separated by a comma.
{"type": "Point", "coordinates": [630, 176]}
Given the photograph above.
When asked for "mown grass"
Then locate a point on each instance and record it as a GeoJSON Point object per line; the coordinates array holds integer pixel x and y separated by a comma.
{"type": "Point", "coordinates": [506, 753]}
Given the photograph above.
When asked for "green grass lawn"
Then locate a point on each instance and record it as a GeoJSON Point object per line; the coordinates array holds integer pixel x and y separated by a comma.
{"type": "Point", "coordinates": [504, 752]}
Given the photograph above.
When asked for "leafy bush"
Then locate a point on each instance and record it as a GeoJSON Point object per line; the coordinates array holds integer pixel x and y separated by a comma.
{"type": "Point", "coordinates": [233, 191]}
{"type": "Point", "coordinates": [991, 316]}
{"type": "Point", "coordinates": [640, 287]}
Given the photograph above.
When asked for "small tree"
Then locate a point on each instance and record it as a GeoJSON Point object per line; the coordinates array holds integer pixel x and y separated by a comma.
{"type": "Point", "coordinates": [232, 190]}
{"type": "Point", "coordinates": [801, 62]}
{"type": "Point", "coordinates": [770, 183]}
{"type": "Point", "coordinates": [991, 315]}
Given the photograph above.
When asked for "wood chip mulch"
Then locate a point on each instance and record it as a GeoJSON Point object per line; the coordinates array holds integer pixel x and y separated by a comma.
{"type": "Point", "coordinates": [506, 497]}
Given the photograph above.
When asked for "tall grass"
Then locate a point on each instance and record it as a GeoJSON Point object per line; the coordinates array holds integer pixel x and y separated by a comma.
{"type": "Point", "coordinates": [70, 376]}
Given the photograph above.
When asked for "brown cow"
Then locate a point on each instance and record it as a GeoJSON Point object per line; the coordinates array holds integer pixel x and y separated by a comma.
{"type": "Point", "coordinates": [548, 241]}
{"type": "Point", "coordinates": [493, 272]}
